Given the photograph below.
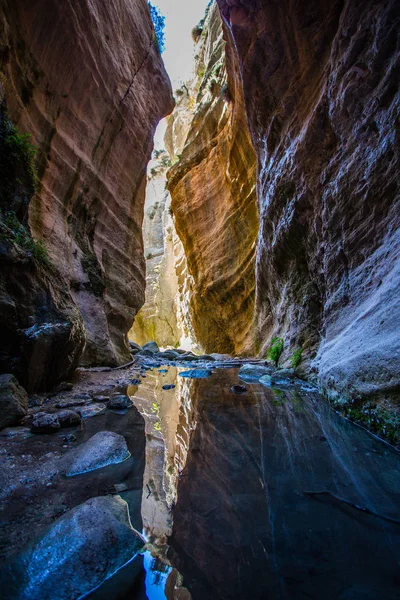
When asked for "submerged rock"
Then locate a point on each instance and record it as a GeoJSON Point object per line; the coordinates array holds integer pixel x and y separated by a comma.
{"type": "Point", "coordinates": [120, 402]}
{"type": "Point", "coordinates": [15, 432]}
{"type": "Point", "coordinates": [151, 347]}
{"type": "Point", "coordinates": [13, 401]}
{"type": "Point", "coordinates": [103, 449]}
{"type": "Point", "coordinates": [239, 389]}
{"type": "Point", "coordinates": [253, 372]}
{"type": "Point", "coordinates": [45, 423]}
{"type": "Point", "coordinates": [76, 554]}
{"type": "Point", "coordinates": [196, 373]}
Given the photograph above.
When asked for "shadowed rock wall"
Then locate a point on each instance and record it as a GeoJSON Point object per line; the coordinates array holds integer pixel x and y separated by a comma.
{"type": "Point", "coordinates": [86, 80]}
{"type": "Point", "coordinates": [212, 186]}
{"type": "Point", "coordinates": [321, 87]}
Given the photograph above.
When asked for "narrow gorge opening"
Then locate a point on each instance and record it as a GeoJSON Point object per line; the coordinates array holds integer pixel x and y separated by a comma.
{"type": "Point", "coordinates": [199, 300]}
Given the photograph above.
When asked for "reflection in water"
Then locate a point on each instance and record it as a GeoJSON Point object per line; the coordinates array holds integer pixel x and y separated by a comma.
{"type": "Point", "coordinates": [231, 495]}
{"type": "Point", "coordinates": [168, 419]}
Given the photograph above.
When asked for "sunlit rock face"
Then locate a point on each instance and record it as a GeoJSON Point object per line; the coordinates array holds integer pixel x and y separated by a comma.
{"type": "Point", "coordinates": [158, 317]}
{"type": "Point", "coordinates": [320, 82]}
{"type": "Point", "coordinates": [212, 186]}
{"type": "Point", "coordinates": [86, 80]}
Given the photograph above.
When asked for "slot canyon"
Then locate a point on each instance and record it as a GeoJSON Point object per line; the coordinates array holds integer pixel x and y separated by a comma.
{"type": "Point", "coordinates": [200, 300]}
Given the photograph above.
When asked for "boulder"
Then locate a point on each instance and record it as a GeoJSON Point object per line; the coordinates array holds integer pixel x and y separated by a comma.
{"type": "Point", "coordinates": [101, 398]}
{"type": "Point", "coordinates": [76, 554]}
{"type": "Point", "coordinates": [102, 449]}
{"type": "Point", "coordinates": [91, 410]}
{"type": "Point", "coordinates": [251, 372]}
{"type": "Point", "coordinates": [13, 401]}
{"type": "Point", "coordinates": [120, 402]}
{"type": "Point", "coordinates": [45, 423]}
{"type": "Point", "coordinates": [169, 355]}
{"type": "Point", "coordinates": [134, 346]}
{"type": "Point", "coordinates": [68, 418]}
{"type": "Point", "coordinates": [152, 347]}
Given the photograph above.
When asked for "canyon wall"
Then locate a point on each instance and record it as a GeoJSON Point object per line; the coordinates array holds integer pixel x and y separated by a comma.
{"type": "Point", "coordinates": [321, 88]}
{"type": "Point", "coordinates": [157, 319]}
{"type": "Point", "coordinates": [213, 190]}
{"type": "Point", "coordinates": [86, 80]}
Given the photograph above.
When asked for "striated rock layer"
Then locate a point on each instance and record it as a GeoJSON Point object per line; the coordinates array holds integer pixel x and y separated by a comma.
{"type": "Point", "coordinates": [212, 186]}
{"type": "Point", "coordinates": [87, 81]}
{"type": "Point", "coordinates": [321, 87]}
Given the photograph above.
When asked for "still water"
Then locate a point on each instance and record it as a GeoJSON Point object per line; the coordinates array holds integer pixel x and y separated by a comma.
{"type": "Point", "coordinates": [265, 495]}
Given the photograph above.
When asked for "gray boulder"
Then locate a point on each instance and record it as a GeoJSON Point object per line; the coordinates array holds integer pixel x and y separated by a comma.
{"type": "Point", "coordinates": [249, 372]}
{"type": "Point", "coordinates": [13, 401]}
{"type": "Point", "coordinates": [151, 347]}
{"type": "Point", "coordinates": [134, 347]}
{"type": "Point", "coordinates": [76, 554]}
{"type": "Point", "coordinates": [103, 449]}
{"type": "Point", "coordinates": [120, 402]}
{"type": "Point", "coordinates": [91, 410]}
{"type": "Point", "coordinates": [45, 423]}
{"type": "Point", "coordinates": [68, 418]}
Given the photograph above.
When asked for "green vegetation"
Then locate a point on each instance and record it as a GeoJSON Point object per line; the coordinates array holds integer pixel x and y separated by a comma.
{"type": "Point", "coordinates": [382, 419]}
{"type": "Point", "coordinates": [13, 232]}
{"type": "Point", "coordinates": [296, 358]}
{"type": "Point", "coordinates": [275, 349]}
{"type": "Point", "coordinates": [17, 166]}
{"type": "Point", "coordinates": [159, 27]}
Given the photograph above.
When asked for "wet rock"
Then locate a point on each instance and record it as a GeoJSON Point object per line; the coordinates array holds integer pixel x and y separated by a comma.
{"type": "Point", "coordinates": [169, 355]}
{"type": "Point", "coordinates": [103, 449]}
{"type": "Point", "coordinates": [169, 386]}
{"type": "Point", "coordinates": [86, 397]}
{"type": "Point", "coordinates": [45, 423]}
{"type": "Point", "coordinates": [285, 374]}
{"type": "Point", "coordinates": [196, 373]}
{"type": "Point", "coordinates": [13, 401]}
{"type": "Point", "coordinates": [15, 432]}
{"type": "Point", "coordinates": [71, 403]}
{"type": "Point", "coordinates": [103, 399]}
{"type": "Point", "coordinates": [206, 357]}
{"type": "Point", "coordinates": [151, 347]}
{"type": "Point", "coordinates": [76, 554]}
{"type": "Point", "coordinates": [134, 348]}
{"type": "Point", "coordinates": [136, 381]}
{"type": "Point", "coordinates": [180, 351]}
{"type": "Point", "coordinates": [266, 380]}
{"type": "Point", "coordinates": [68, 418]}
{"type": "Point", "coordinates": [253, 372]}
{"type": "Point", "coordinates": [120, 402]}
{"type": "Point", "coordinates": [69, 438]}
{"type": "Point", "coordinates": [91, 410]}
{"type": "Point", "coordinates": [239, 389]}
{"type": "Point", "coordinates": [145, 353]}
{"type": "Point", "coordinates": [163, 370]}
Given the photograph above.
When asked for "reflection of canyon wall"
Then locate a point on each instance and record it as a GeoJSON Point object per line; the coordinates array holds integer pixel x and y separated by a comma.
{"type": "Point", "coordinates": [212, 185]}
{"type": "Point", "coordinates": [90, 92]}
{"type": "Point", "coordinates": [321, 86]}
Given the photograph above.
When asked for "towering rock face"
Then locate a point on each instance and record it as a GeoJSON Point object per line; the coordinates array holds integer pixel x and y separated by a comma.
{"type": "Point", "coordinates": [212, 186]}
{"type": "Point", "coordinates": [320, 81]}
{"type": "Point", "coordinates": [86, 80]}
{"type": "Point", "coordinates": [157, 319]}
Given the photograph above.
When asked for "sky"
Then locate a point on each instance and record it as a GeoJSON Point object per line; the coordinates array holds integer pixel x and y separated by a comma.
{"type": "Point", "coordinates": [180, 18]}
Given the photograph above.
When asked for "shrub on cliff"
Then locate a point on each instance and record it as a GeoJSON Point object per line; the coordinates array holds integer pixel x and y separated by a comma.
{"type": "Point", "coordinates": [159, 26]}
